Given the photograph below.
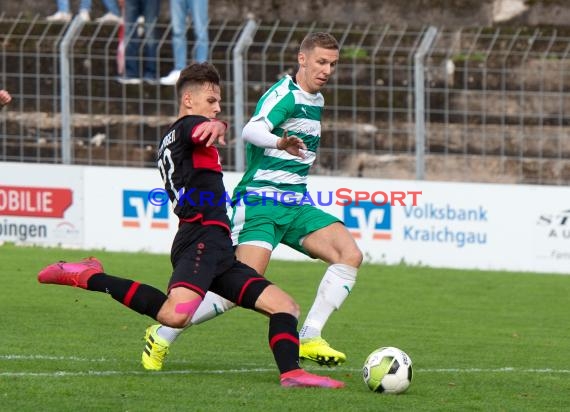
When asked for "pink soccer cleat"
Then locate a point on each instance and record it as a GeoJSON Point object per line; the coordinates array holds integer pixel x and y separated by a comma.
{"type": "Point", "coordinates": [299, 378]}
{"type": "Point", "coordinates": [72, 274]}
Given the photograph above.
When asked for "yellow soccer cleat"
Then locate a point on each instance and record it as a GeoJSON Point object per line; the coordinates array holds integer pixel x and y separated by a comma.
{"type": "Point", "coordinates": [318, 350]}
{"type": "Point", "coordinates": [155, 349]}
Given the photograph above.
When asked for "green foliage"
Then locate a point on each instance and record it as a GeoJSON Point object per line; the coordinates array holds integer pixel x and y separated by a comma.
{"type": "Point", "coordinates": [471, 57]}
{"type": "Point", "coordinates": [353, 52]}
{"type": "Point", "coordinates": [481, 341]}
{"type": "Point", "coordinates": [544, 3]}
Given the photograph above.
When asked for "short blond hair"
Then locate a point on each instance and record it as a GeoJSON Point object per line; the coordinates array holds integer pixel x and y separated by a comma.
{"type": "Point", "coordinates": [319, 39]}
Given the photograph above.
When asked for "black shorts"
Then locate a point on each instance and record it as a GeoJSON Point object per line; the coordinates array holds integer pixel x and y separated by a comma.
{"type": "Point", "coordinates": [203, 259]}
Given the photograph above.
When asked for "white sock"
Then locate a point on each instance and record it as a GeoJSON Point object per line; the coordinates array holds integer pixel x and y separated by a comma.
{"type": "Point", "coordinates": [333, 290]}
{"type": "Point", "coordinates": [212, 306]}
{"type": "Point", "coordinates": [169, 334]}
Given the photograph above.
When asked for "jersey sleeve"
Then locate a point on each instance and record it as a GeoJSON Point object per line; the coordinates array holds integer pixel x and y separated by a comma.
{"type": "Point", "coordinates": [190, 125]}
{"type": "Point", "coordinates": [259, 134]}
{"type": "Point", "coordinates": [274, 110]}
{"type": "Point", "coordinates": [196, 140]}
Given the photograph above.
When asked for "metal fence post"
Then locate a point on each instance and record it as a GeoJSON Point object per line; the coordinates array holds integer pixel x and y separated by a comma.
{"type": "Point", "coordinates": [419, 92]}
{"type": "Point", "coordinates": [64, 64]}
{"type": "Point", "coordinates": [244, 41]}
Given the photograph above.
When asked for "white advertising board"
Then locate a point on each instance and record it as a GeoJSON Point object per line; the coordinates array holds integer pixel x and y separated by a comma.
{"type": "Point", "coordinates": [41, 204]}
{"type": "Point", "coordinates": [458, 225]}
{"type": "Point", "coordinates": [127, 209]}
{"type": "Point", "coordinates": [119, 214]}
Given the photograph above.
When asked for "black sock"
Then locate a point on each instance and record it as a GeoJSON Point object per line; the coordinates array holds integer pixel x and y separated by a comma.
{"type": "Point", "coordinates": [141, 298]}
{"type": "Point", "coordinates": [284, 341]}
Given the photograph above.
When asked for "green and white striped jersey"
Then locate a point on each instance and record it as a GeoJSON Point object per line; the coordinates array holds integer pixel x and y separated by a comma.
{"type": "Point", "coordinates": [285, 106]}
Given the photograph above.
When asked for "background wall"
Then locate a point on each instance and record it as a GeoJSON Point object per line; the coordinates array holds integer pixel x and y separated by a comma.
{"type": "Point", "coordinates": [449, 13]}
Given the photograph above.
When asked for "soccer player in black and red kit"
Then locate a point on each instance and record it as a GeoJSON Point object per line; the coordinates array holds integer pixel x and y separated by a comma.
{"type": "Point", "coordinates": [202, 254]}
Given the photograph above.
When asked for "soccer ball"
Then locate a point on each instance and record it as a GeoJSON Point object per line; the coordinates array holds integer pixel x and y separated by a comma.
{"type": "Point", "coordinates": [388, 370]}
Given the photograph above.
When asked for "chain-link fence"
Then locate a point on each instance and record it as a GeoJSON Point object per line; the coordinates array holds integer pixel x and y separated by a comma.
{"type": "Point", "coordinates": [495, 100]}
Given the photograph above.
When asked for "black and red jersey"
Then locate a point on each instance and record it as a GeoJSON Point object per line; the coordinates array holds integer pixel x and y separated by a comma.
{"type": "Point", "coordinates": [192, 174]}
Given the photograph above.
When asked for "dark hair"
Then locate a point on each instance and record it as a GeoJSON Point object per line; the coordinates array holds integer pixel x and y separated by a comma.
{"type": "Point", "coordinates": [197, 74]}
{"type": "Point", "coordinates": [319, 39]}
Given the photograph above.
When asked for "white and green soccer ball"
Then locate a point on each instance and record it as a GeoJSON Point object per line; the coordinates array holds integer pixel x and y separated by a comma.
{"type": "Point", "coordinates": [388, 370]}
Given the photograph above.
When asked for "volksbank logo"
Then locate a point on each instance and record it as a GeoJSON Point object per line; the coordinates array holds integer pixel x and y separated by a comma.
{"type": "Point", "coordinates": [369, 221]}
{"type": "Point", "coordinates": [139, 212]}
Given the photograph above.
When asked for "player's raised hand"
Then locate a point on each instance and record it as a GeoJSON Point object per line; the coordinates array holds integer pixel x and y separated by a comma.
{"type": "Point", "coordinates": [292, 145]}
{"type": "Point", "coordinates": [210, 132]}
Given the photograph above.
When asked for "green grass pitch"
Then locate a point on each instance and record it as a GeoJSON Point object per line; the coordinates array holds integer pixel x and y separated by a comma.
{"type": "Point", "coordinates": [480, 341]}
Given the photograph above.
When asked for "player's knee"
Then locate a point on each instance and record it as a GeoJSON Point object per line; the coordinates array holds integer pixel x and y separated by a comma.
{"type": "Point", "coordinates": [274, 300]}
{"type": "Point", "coordinates": [351, 256]}
{"type": "Point", "coordinates": [288, 305]}
{"type": "Point", "coordinates": [177, 314]}
{"type": "Point", "coordinates": [354, 257]}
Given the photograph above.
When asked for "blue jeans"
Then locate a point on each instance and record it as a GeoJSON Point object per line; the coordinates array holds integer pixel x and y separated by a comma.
{"type": "Point", "coordinates": [198, 9]}
{"type": "Point", "coordinates": [133, 9]}
{"type": "Point", "coordinates": [111, 5]}
{"type": "Point", "coordinates": [63, 5]}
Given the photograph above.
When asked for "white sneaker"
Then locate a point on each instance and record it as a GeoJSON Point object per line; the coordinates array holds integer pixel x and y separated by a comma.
{"type": "Point", "coordinates": [171, 79]}
{"type": "Point", "coordinates": [59, 16]}
{"type": "Point", "coordinates": [128, 80]}
{"type": "Point", "coordinates": [140, 26]}
{"type": "Point", "coordinates": [151, 80]}
{"type": "Point", "coordinates": [84, 14]}
{"type": "Point", "coordinates": [109, 18]}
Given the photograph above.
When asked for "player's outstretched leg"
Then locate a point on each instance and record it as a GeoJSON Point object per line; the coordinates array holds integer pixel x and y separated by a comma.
{"type": "Point", "coordinates": [88, 274]}
{"type": "Point", "coordinates": [334, 288]}
{"type": "Point", "coordinates": [71, 274]}
{"type": "Point", "coordinates": [335, 245]}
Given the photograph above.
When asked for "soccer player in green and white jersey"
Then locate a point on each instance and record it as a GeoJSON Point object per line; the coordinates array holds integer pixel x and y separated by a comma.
{"type": "Point", "coordinates": [283, 136]}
